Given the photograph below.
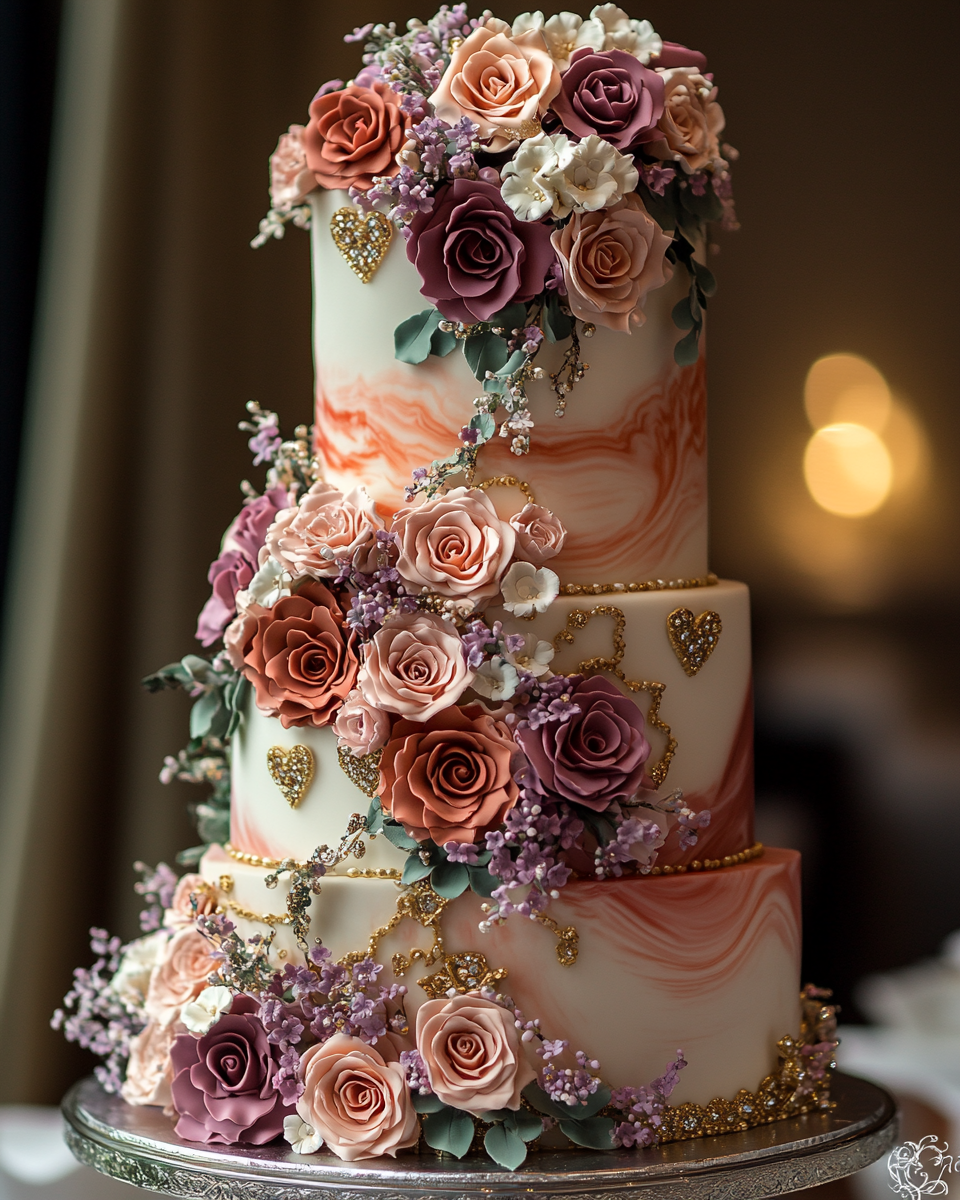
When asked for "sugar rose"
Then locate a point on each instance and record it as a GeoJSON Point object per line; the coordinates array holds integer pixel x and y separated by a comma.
{"type": "Point", "coordinates": [300, 659]}
{"type": "Point", "coordinates": [500, 83]}
{"type": "Point", "coordinates": [454, 544]}
{"type": "Point", "coordinates": [414, 666]}
{"type": "Point", "coordinates": [449, 778]}
{"type": "Point", "coordinates": [540, 534]}
{"type": "Point", "coordinates": [610, 261]}
{"type": "Point", "coordinates": [358, 1102]}
{"type": "Point", "coordinates": [692, 121]}
{"type": "Point", "coordinates": [360, 727]}
{"type": "Point", "coordinates": [181, 912]}
{"type": "Point", "coordinates": [183, 973]}
{"type": "Point", "coordinates": [354, 135]}
{"type": "Point", "coordinates": [325, 526]}
{"type": "Point", "coordinates": [291, 180]}
{"type": "Point", "coordinates": [612, 95]}
{"type": "Point", "coordinates": [473, 1053]}
{"type": "Point", "coordinates": [149, 1069]}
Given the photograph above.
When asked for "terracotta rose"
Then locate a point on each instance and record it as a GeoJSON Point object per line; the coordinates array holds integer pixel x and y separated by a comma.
{"type": "Point", "coordinates": [300, 659]}
{"type": "Point", "coordinates": [611, 260]}
{"type": "Point", "coordinates": [473, 1053]}
{"type": "Point", "coordinates": [183, 973]}
{"type": "Point", "coordinates": [354, 134]}
{"type": "Point", "coordinates": [449, 778]}
{"type": "Point", "coordinates": [358, 1102]}
{"type": "Point", "coordinates": [414, 666]}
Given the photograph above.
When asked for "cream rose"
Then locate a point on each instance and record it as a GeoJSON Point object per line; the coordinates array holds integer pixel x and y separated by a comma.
{"type": "Point", "coordinates": [454, 544]}
{"type": "Point", "coordinates": [132, 979]}
{"type": "Point", "coordinates": [414, 667]}
{"type": "Point", "coordinates": [610, 261]}
{"type": "Point", "coordinates": [473, 1053]}
{"type": "Point", "coordinates": [149, 1070]}
{"type": "Point", "coordinates": [540, 535]}
{"type": "Point", "coordinates": [501, 83]}
{"type": "Point", "coordinates": [359, 1104]}
{"type": "Point", "coordinates": [361, 727]}
{"type": "Point", "coordinates": [692, 121]}
{"type": "Point", "coordinates": [326, 525]}
{"type": "Point", "coordinates": [183, 973]}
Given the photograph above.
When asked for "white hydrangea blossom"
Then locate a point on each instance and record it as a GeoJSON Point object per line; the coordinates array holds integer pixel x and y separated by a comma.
{"type": "Point", "coordinates": [621, 32]}
{"type": "Point", "coordinates": [202, 1013]}
{"type": "Point", "coordinates": [551, 174]}
{"type": "Point", "coordinates": [301, 1136]}
{"type": "Point", "coordinates": [497, 679]}
{"type": "Point", "coordinates": [527, 590]}
{"type": "Point", "coordinates": [268, 587]}
{"type": "Point", "coordinates": [607, 28]}
{"type": "Point", "coordinates": [535, 655]}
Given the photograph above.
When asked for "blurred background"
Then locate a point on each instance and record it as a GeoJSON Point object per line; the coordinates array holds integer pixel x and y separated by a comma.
{"type": "Point", "coordinates": [137, 322]}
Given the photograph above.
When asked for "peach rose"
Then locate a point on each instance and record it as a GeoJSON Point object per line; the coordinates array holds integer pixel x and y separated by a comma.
{"type": "Point", "coordinates": [449, 778]}
{"type": "Point", "coordinates": [473, 1053]}
{"type": "Point", "coordinates": [692, 121]}
{"type": "Point", "coordinates": [361, 727]}
{"type": "Point", "coordinates": [611, 260]}
{"type": "Point", "coordinates": [501, 83]}
{"type": "Point", "coordinates": [149, 1070]}
{"type": "Point", "coordinates": [414, 666]}
{"type": "Point", "coordinates": [236, 635]}
{"type": "Point", "coordinates": [300, 659]}
{"type": "Point", "coordinates": [309, 538]}
{"type": "Point", "coordinates": [182, 974]}
{"type": "Point", "coordinates": [355, 134]}
{"type": "Point", "coordinates": [540, 535]}
{"type": "Point", "coordinates": [291, 180]}
{"type": "Point", "coordinates": [454, 544]}
{"type": "Point", "coordinates": [181, 912]}
{"type": "Point", "coordinates": [358, 1103]}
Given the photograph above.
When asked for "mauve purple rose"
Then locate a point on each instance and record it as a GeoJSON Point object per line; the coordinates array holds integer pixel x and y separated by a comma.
{"type": "Point", "coordinates": [675, 55]}
{"type": "Point", "coordinates": [223, 1082]}
{"type": "Point", "coordinates": [611, 94]}
{"type": "Point", "coordinates": [474, 255]}
{"type": "Point", "coordinates": [595, 757]}
{"type": "Point", "coordinates": [237, 563]}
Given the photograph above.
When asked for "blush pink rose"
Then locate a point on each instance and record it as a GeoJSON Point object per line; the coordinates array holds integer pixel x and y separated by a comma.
{"type": "Point", "coordinates": [238, 633]}
{"type": "Point", "coordinates": [291, 180]}
{"type": "Point", "coordinates": [611, 260]}
{"type": "Point", "coordinates": [149, 1069]}
{"type": "Point", "coordinates": [473, 1053]}
{"type": "Point", "coordinates": [414, 666]}
{"type": "Point", "coordinates": [354, 135]}
{"type": "Point", "coordinates": [180, 976]}
{"type": "Point", "coordinates": [449, 778]}
{"type": "Point", "coordinates": [500, 83]}
{"type": "Point", "coordinates": [540, 534]}
{"type": "Point", "coordinates": [300, 659]}
{"type": "Point", "coordinates": [326, 525]}
{"type": "Point", "coordinates": [454, 545]}
{"type": "Point", "coordinates": [358, 1103]}
{"type": "Point", "coordinates": [360, 726]}
{"type": "Point", "coordinates": [181, 912]}
{"type": "Point", "coordinates": [692, 121]}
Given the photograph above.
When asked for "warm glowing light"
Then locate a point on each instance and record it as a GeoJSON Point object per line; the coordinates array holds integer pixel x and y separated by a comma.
{"type": "Point", "coordinates": [908, 448]}
{"type": "Point", "coordinates": [848, 469]}
{"type": "Point", "coordinates": [846, 389]}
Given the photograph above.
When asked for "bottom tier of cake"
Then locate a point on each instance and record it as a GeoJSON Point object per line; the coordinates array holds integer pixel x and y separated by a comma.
{"type": "Point", "coordinates": [628, 970]}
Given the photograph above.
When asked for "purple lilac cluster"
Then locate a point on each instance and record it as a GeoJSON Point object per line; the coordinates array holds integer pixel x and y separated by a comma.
{"type": "Point", "coordinates": [642, 1107]}
{"type": "Point", "coordinates": [418, 1079]}
{"type": "Point", "coordinates": [157, 887]}
{"type": "Point", "coordinates": [610, 858]}
{"type": "Point", "coordinates": [567, 1085]}
{"type": "Point", "coordinates": [94, 1016]}
{"type": "Point", "coordinates": [378, 594]}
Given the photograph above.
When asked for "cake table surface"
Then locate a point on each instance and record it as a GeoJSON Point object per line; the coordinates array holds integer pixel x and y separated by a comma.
{"type": "Point", "coordinates": [138, 1145]}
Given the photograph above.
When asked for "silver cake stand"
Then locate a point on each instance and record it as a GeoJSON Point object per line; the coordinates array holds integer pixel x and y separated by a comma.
{"type": "Point", "coordinates": [138, 1145]}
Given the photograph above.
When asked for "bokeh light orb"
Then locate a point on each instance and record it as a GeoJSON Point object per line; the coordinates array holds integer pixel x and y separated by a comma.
{"type": "Point", "coordinates": [845, 388]}
{"type": "Point", "coordinates": [848, 470]}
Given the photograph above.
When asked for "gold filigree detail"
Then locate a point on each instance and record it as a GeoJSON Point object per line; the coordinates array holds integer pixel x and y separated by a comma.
{"type": "Point", "coordinates": [579, 618]}
{"type": "Point", "coordinates": [291, 770]}
{"type": "Point", "coordinates": [420, 903]}
{"type": "Point", "coordinates": [363, 771]}
{"type": "Point", "coordinates": [362, 238]}
{"type": "Point", "coordinates": [226, 884]}
{"type": "Point", "coordinates": [568, 940]}
{"type": "Point", "coordinates": [646, 585]}
{"type": "Point", "coordinates": [693, 639]}
{"type": "Point", "coordinates": [508, 481]}
{"type": "Point", "coordinates": [519, 133]}
{"type": "Point", "coordinates": [467, 972]}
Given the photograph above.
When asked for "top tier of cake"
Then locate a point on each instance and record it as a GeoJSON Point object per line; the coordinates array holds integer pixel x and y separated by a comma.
{"type": "Point", "coordinates": [625, 467]}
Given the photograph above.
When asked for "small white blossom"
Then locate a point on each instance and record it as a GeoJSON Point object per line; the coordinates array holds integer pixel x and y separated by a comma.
{"type": "Point", "coordinates": [267, 588]}
{"type": "Point", "coordinates": [497, 679]}
{"type": "Point", "coordinates": [563, 33]}
{"type": "Point", "coordinates": [527, 590]}
{"type": "Point", "coordinates": [638, 38]}
{"type": "Point", "coordinates": [535, 655]}
{"type": "Point", "coordinates": [201, 1014]}
{"type": "Point", "coordinates": [527, 185]}
{"type": "Point", "coordinates": [551, 174]}
{"type": "Point", "coordinates": [303, 1138]}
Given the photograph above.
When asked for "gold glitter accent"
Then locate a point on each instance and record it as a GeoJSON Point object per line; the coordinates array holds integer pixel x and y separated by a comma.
{"type": "Point", "coordinates": [527, 129]}
{"type": "Point", "coordinates": [281, 954]}
{"type": "Point", "coordinates": [711, 864]}
{"type": "Point", "coordinates": [291, 770]}
{"type": "Point", "coordinates": [362, 238]}
{"type": "Point", "coordinates": [579, 618]}
{"type": "Point", "coordinates": [647, 585]}
{"type": "Point", "coordinates": [363, 771]}
{"type": "Point", "coordinates": [226, 883]}
{"type": "Point", "coordinates": [568, 940]}
{"type": "Point", "coordinates": [467, 972]}
{"type": "Point", "coordinates": [508, 481]}
{"type": "Point", "coordinates": [369, 873]}
{"type": "Point", "coordinates": [693, 639]}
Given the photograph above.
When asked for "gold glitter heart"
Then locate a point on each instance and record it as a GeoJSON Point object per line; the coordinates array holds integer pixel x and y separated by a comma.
{"type": "Point", "coordinates": [362, 238]}
{"type": "Point", "coordinates": [291, 770]}
{"type": "Point", "coordinates": [693, 639]}
{"type": "Point", "coordinates": [363, 771]}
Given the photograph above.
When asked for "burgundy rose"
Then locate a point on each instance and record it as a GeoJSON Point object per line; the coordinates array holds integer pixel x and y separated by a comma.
{"type": "Point", "coordinates": [300, 660]}
{"type": "Point", "coordinates": [223, 1082]}
{"type": "Point", "coordinates": [675, 55]}
{"type": "Point", "coordinates": [597, 755]}
{"type": "Point", "coordinates": [612, 95]}
{"type": "Point", "coordinates": [474, 255]}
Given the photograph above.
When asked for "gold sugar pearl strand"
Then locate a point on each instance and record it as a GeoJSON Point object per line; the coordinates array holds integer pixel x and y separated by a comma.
{"type": "Point", "coordinates": [711, 864]}
{"type": "Point", "coordinates": [647, 585]}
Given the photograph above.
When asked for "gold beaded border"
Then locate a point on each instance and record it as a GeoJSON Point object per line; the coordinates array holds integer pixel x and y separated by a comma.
{"type": "Point", "coordinates": [711, 864]}
{"type": "Point", "coordinates": [508, 481]}
{"type": "Point", "coordinates": [647, 585]}
{"type": "Point", "coordinates": [273, 864]}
